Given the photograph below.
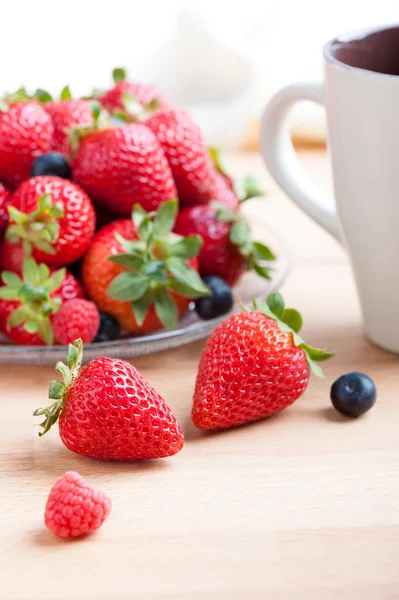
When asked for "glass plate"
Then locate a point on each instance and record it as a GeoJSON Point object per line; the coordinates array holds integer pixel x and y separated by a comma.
{"type": "Point", "coordinates": [190, 327]}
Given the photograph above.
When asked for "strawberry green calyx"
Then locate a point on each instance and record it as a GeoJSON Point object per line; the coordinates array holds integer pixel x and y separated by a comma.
{"type": "Point", "coordinates": [246, 188]}
{"type": "Point", "coordinates": [289, 320]}
{"type": "Point", "coordinates": [38, 229]}
{"type": "Point", "coordinates": [156, 265]}
{"type": "Point", "coordinates": [118, 74]}
{"type": "Point", "coordinates": [100, 120]}
{"type": "Point", "coordinates": [44, 96]}
{"type": "Point", "coordinates": [19, 95]}
{"type": "Point", "coordinates": [33, 292]}
{"type": "Point", "coordinates": [257, 255]}
{"type": "Point", "coordinates": [58, 390]}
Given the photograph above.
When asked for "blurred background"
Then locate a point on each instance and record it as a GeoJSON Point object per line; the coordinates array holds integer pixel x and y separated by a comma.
{"type": "Point", "coordinates": [221, 60]}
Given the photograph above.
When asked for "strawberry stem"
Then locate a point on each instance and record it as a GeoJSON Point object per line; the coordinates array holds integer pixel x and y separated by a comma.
{"type": "Point", "coordinates": [58, 390]}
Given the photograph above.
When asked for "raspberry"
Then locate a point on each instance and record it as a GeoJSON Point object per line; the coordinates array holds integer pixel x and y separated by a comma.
{"type": "Point", "coordinates": [74, 507]}
{"type": "Point", "coordinates": [76, 319]}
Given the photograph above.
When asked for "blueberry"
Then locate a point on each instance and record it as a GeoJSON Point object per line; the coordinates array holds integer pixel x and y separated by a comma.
{"type": "Point", "coordinates": [109, 329]}
{"type": "Point", "coordinates": [353, 394]}
{"type": "Point", "coordinates": [52, 163]}
{"type": "Point", "coordinates": [219, 303]}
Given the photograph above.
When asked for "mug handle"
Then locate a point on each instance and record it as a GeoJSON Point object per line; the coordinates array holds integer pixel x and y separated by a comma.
{"type": "Point", "coordinates": [281, 159]}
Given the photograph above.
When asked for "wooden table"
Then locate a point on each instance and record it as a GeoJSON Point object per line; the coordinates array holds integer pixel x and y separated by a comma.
{"type": "Point", "coordinates": [304, 505]}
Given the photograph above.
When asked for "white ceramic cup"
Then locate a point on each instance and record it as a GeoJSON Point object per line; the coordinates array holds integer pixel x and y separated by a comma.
{"type": "Point", "coordinates": [361, 97]}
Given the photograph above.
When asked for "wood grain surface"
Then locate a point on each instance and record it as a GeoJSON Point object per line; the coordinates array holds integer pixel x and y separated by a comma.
{"type": "Point", "coordinates": [302, 505]}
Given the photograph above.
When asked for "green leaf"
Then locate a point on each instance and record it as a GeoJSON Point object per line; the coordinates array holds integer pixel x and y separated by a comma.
{"type": "Point", "coordinates": [146, 228]}
{"type": "Point", "coordinates": [219, 160]}
{"type": "Point", "coordinates": [66, 93]}
{"type": "Point", "coordinates": [45, 331]}
{"type": "Point", "coordinates": [44, 272]}
{"type": "Point", "coordinates": [11, 279]}
{"type": "Point", "coordinates": [156, 270]}
{"type": "Point", "coordinates": [43, 95]}
{"type": "Point", "coordinates": [247, 188]}
{"type": "Point", "coordinates": [118, 74]}
{"type": "Point", "coordinates": [187, 247]}
{"type": "Point", "coordinates": [27, 247]}
{"type": "Point", "coordinates": [127, 261]}
{"type": "Point", "coordinates": [56, 390]}
{"type": "Point", "coordinates": [7, 293]}
{"type": "Point", "coordinates": [224, 214]}
{"type": "Point", "coordinates": [95, 111]}
{"type": "Point", "coordinates": [141, 306]}
{"type": "Point", "coordinates": [30, 271]}
{"type": "Point", "coordinates": [262, 271]}
{"type": "Point", "coordinates": [292, 318]}
{"type": "Point", "coordinates": [166, 309]}
{"type": "Point", "coordinates": [17, 317]}
{"type": "Point", "coordinates": [262, 252]}
{"type": "Point", "coordinates": [121, 115]}
{"type": "Point", "coordinates": [128, 287]}
{"type": "Point", "coordinates": [276, 304]}
{"type": "Point", "coordinates": [44, 246]}
{"type": "Point", "coordinates": [316, 353]}
{"type": "Point", "coordinates": [44, 203]}
{"type": "Point", "coordinates": [138, 215]}
{"type": "Point", "coordinates": [31, 326]}
{"type": "Point", "coordinates": [186, 276]}
{"type": "Point", "coordinates": [72, 356]}
{"type": "Point", "coordinates": [16, 216]}
{"type": "Point", "coordinates": [165, 218]}
{"type": "Point", "coordinates": [240, 233]}
{"type": "Point", "coordinates": [56, 279]}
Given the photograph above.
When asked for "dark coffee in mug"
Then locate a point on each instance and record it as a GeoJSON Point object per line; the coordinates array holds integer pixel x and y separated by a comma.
{"type": "Point", "coordinates": [374, 50]}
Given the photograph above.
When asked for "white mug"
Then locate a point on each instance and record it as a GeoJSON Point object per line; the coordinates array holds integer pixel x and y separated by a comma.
{"type": "Point", "coordinates": [361, 97]}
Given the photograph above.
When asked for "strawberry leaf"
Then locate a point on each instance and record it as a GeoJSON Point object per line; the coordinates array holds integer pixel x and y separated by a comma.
{"type": "Point", "coordinates": [156, 271]}
{"type": "Point", "coordinates": [219, 160]}
{"type": "Point", "coordinates": [43, 95]}
{"type": "Point", "coordinates": [240, 234]}
{"type": "Point", "coordinates": [275, 303]}
{"type": "Point", "coordinates": [66, 93]}
{"type": "Point", "coordinates": [187, 247]}
{"type": "Point", "coordinates": [11, 279]}
{"type": "Point", "coordinates": [56, 279]}
{"type": "Point", "coordinates": [141, 306]}
{"type": "Point", "coordinates": [166, 309]}
{"type": "Point", "coordinates": [292, 318]}
{"type": "Point", "coordinates": [248, 188]}
{"type": "Point", "coordinates": [128, 261]}
{"type": "Point", "coordinates": [128, 287]}
{"type": "Point", "coordinates": [31, 326]}
{"type": "Point", "coordinates": [262, 271]}
{"type": "Point", "coordinates": [131, 105]}
{"type": "Point", "coordinates": [186, 276]}
{"type": "Point", "coordinates": [118, 74]}
{"type": "Point", "coordinates": [138, 214]}
{"type": "Point", "coordinates": [17, 317]}
{"type": "Point", "coordinates": [262, 252]}
{"type": "Point", "coordinates": [165, 218]}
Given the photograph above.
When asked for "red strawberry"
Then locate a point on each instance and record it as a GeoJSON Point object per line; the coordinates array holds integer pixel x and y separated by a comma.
{"type": "Point", "coordinates": [185, 149]}
{"type": "Point", "coordinates": [26, 131]}
{"type": "Point", "coordinates": [225, 194]}
{"type": "Point", "coordinates": [5, 199]}
{"type": "Point", "coordinates": [227, 247]}
{"type": "Point", "coordinates": [143, 284]}
{"type": "Point", "coordinates": [66, 114]}
{"type": "Point", "coordinates": [76, 319]}
{"type": "Point", "coordinates": [123, 166]}
{"type": "Point", "coordinates": [27, 305]}
{"type": "Point", "coordinates": [74, 507]}
{"type": "Point", "coordinates": [253, 365]}
{"type": "Point", "coordinates": [52, 215]}
{"type": "Point", "coordinates": [120, 97]}
{"type": "Point", "coordinates": [108, 410]}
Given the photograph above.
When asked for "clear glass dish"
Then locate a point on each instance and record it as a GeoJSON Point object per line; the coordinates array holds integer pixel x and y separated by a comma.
{"type": "Point", "coordinates": [190, 328]}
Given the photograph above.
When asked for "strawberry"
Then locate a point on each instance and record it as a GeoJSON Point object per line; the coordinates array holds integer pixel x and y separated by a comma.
{"type": "Point", "coordinates": [76, 318]}
{"type": "Point", "coordinates": [123, 166]}
{"type": "Point", "coordinates": [5, 199]}
{"type": "Point", "coordinates": [27, 304]}
{"type": "Point", "coordinates": [241, 190]}
{"type": "Point", "coordinates": [51, 216]}
{"type": "Point", "coordinates": [108, 410]}
{"type": "Point", "coordinates": [227, 246]}
{"type": "Point", "coordinates": [66, 113]}
{"type": "Point", "coordinates": [253, 365]}
{"type": "Point", "coordinates": [140, 273]}
{"type": "Point", "coordinates": [75, 508]}
{"type": "Point", "coordinates": [26, 131]}
{"type": "Point", "coordinates": [185, 149]}
{"type": "Point", "coordinates": [125, 93]}
{"type": "Point", "coordinates": [225, 194]}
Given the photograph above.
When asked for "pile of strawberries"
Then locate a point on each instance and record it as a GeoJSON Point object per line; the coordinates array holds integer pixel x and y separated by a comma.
{"type": "Point", "coordinates": [112, 213]}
